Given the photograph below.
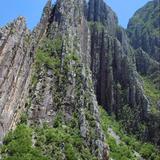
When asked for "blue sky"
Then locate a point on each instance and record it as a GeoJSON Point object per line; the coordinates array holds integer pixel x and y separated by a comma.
{"type": "Point", "coordinates": [32, 9]}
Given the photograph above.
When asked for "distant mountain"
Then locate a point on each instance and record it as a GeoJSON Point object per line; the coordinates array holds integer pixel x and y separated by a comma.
{"type": "Point", "coordinates": [144, 29]}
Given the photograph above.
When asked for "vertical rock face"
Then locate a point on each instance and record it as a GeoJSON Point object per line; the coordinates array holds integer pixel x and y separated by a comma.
{"type": "Point", "coordinates": [42, 26]}
{"type": "Point", "coordinates": [17, 47]}
{"type": "Point", "coordinates": [145, 64]}
{"type": "Point", "coordinates": [15, 59]}
{"type": "Point", "coordinates": [74, 60]}
{"type": "Point", "coordinates": [98, 11]}
{"type": "Point", "coordinates": [66, 87]}
{"type": "Point", "coordinates": [116, 81]}
{"type": "Point", "coordinates": [68, 21]}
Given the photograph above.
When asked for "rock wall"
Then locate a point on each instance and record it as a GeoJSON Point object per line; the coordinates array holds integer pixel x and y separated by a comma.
{"type": "Point", "coordinates": [66, 85]}
{"type": "Point", "coordinates": [16, 58]}
{"type": "Point", "coordinates": [116, 80]}
{"type": "Point", "coordinates": [74, 60]}
{"type": "Point", "coordinates": [17, 48]}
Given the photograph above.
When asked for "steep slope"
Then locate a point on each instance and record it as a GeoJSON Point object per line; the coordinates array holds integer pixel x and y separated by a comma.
{"type": "Point", "coordinates": [17, 47]}
{"type": "Point", "coordinates": [143, 31]}
{"type": "Point", "coordinates": [16, 58]}
{"type": "Point", "coordinates": [147, 66]}
{"type": "Point", "coordinates": [61, 94]}
{"type": "Point", "coordinates": [64, 85]}
{"type": "Point", "coordinates": [116, 81]}
{"type": "Point", "coordinates": [72, 67]}
{"type": "Point", "coordinates": [123, 146]}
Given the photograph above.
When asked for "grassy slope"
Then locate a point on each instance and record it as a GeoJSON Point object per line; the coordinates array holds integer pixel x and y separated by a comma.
{"type": "Point", "coordinates": [128, 145]}
{"type": "Point", "coordinates": [46, 143]}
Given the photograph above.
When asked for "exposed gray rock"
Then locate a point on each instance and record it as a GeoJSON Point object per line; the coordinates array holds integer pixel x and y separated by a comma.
{"type": "Point", "coordinates": [143, 31]}
{"type": "Point", "coordinates": [86, 61]}
{"type": "Point", "coordinates": [74, 93]}
{"type": "Point", "coordinates": [148, 67]}
{"type": "Point", "coordinates": [113, 64]}
{"type": "Point", "coordinates": [15, 60]}
{"type": "Point", "coordinates": [99, 12]}
{"type": "Point", "coordinates": [17, 48]}
{"type": "Point", "coordinates": [145, 64]}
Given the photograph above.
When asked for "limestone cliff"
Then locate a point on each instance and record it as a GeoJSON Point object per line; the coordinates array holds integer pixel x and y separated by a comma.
{"type": "Point", "coordinates": [16, 59]}
{"type": "Point", "coordinates": [55, 77]}
{"type": "Point", "coordinates": [65, 85]}
{"type": "Point", "coordinates": [117, 84]}
{"type": "Point", "coordinates": [17, 48]}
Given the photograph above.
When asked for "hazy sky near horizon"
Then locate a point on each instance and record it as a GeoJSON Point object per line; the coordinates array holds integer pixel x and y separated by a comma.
{"type": "Point", "coordinates": [32, 10]}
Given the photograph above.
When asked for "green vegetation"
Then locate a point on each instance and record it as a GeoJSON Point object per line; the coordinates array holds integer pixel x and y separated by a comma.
{"type": "Point", "coordinates": [128, 144]}
{"type": "Point", "coordinates": [46, 59]}
{"type": "Point", "coordinates": [48, 55]}
{"type": "Point", "coordinates": [97, 25]}
{"type": "Point", "coordinates": [152, 93]}
{"type": "Point", "coordinates": [27, 39]}
{"type": "Point", "coordinates": [143, 29]}
{"type": "Point", "coordinates": [18, 145]}
{"type": "Point", "coordinates": [61, 140]}
{"type": "Point", "coordinates": [147, 18]}
{"type": "Point", "coordinates": [23, 119]}
{"type": "Point", "coordinates": [12, 31]}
